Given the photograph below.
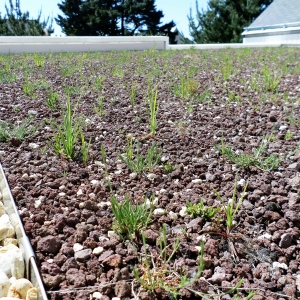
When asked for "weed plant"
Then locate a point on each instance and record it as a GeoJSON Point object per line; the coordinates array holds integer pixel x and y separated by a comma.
{"type": "Point", "coordinates": [257, 159]}
{"type": "Point", "coordinates": [157, 272]}
{"type": "Point", "coordinates": [130, 219]}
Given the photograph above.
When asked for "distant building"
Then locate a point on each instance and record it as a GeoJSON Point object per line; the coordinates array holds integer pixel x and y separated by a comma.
{"type": "Point", "coordinates": [278, 23]}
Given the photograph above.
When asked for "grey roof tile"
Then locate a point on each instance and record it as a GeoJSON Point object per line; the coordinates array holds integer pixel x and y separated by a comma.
{"type": "Point", "coordinates": [279, 12]}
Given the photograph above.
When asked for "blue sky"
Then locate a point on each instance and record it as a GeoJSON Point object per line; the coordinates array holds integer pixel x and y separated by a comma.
{"type": "Point", "coordinates": [176, 10]}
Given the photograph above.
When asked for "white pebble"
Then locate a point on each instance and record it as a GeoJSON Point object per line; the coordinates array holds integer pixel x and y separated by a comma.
{"type": "Point", "coordinates": [241, 182]}
{"type": "Point", "coordinates": [173, 215]}
{"type": "Point", "coordinates": [98, 250]}
{"type": "Point", "coordinates": [198, 248]}
{"type": "Point", "coordinates": [77, 247]}
{"type": "Point", "coordinates": [104, 204]}
{"type": "Point", "coordinates": [133, 175]}
{"type": "Point", "coordinates": [37, 203]}
{"type": "Point", "coordinates": [50, 261]}
{"type": "Point", "coordinates": [33, 145]}
{"type": "Point", "coordinates": [283, 127]}
{"type": "Point", "coordinates": [62, 187]}
{"type": "Point", "coordinates": [79, 192]}
{"type": "Point", "coordinates": [25, 175]}
{"type": "Point", "coordinates": [62, 194]}
{"type": "Point", "coordinates": [277, 264]}
{"type": "Point", "coordinates": [158, 212]}
{"type": "Point", "coordinates": [95, 182]}
{"type": "Point", "coordinates": [183, 212]}
{"type": "Point", "coordinates": [118, 172]}
{"type": "Point", "coordinates": [112, 234]}
{"type": "Point", "coordinates": [92, 196]}
{"type": "Point", "coordinates": [197, 180]}
{"type": "Point", "coordinates": [99, 164]}
{"type": "Point", "coordinates": [201, 238]}
{"type": "Point", "coordinates": [81, 205]}
{"type": "Point", "coordinates": [151, 176]}
{"type": "Point", "coordinates": [97, 295]}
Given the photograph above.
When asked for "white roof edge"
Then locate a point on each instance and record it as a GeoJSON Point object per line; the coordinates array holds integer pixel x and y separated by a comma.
{"type": "Point", "coordinates": [263, 31]}
{"type": "Point", "coordinates": [282, 25]}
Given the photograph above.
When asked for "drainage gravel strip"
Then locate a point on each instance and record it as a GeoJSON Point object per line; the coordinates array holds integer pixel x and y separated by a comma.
{"type": "Point", "coordinates": [17, 259]}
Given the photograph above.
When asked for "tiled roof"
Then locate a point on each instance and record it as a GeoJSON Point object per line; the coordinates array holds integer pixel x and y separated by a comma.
{"type": "Point", "coordinates": [279, 12]}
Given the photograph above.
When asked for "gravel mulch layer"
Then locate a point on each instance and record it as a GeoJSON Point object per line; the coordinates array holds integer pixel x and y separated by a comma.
{"type": "Point", "coordinates": [204, 99]}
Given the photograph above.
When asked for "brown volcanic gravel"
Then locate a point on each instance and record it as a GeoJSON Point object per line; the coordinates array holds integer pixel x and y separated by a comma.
{"type": "Point", "coordinates": [61, 205]}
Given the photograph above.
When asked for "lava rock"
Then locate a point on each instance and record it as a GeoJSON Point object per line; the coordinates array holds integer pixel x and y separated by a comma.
{"type": "Point", "coordinates": [286, 240]}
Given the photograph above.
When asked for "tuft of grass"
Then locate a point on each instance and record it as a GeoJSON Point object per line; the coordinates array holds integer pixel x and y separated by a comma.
{"type": "Point", "coordinates": [139, 163]}
{"type": "Point", "coordinates": [232, 207]}
{"type": "Point", "coordinates": [99, 109]}
{"type": "Point", "coordinates": [257, 159]}
{"type": "Point", "coordinates": [271, 79]}
{"type": "Point", "coordinates": [130, 219]}
{"type": "Point", "coordinates": [67, 135]}
{"type": "Point", "coordinates": [52, 99]}
{"type": "Point", "coordinates": [39, 60]}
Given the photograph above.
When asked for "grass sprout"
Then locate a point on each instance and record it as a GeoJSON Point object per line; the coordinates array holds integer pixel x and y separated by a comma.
{"type": "Point", "coordinates": [152, 98]}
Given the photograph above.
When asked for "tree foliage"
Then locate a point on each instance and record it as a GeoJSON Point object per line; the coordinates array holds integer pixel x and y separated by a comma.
{"type": "Point", "coordinates": [112, 17]}
{"type": "Point", "coordinates": [17, 23]}
{"type": "Point", "coordinates": [224, 20]}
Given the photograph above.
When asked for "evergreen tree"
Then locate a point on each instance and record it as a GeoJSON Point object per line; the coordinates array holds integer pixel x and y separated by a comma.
{"type": "Point", "coordinates": [17, 23]}
{"type": "Point", "coordinates": [112, 17]}
{"type": "Point", "coordinates": [224, 20]}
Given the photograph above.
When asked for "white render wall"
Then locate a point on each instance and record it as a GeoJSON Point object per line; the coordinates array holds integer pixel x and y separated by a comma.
{"type": "Point", "coordinates": [289, 39]}
{"type": "Point", "coordinates": [42, 44]}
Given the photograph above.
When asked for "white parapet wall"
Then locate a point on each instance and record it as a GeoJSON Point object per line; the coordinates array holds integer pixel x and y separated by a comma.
{"type": "Point", "coordinates": [222, 46]}
{"type": "Point", "coordinates": [44, 44]}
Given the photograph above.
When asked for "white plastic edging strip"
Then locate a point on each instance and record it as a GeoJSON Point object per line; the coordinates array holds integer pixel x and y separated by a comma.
{"type": "Point", "coordinates": [31, 269]}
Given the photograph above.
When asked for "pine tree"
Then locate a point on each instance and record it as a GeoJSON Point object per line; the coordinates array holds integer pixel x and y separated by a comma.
{"type": "Point", "coordinates": [112, 17]}
{"type": "Point", "coordinates": [224, 20]}
{"type": "Point", "coordinates": [17, 23]}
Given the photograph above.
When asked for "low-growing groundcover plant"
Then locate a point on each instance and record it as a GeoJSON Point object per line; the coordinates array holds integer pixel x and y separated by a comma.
{"type": "Point", "coordinates": [200, 210]}
{"type": "Point", "coordinates": [156, 272]}
{"type": "Point", "coordinates": [19, 131]}
{"type": "Point", "coordinates": [258, 159]}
